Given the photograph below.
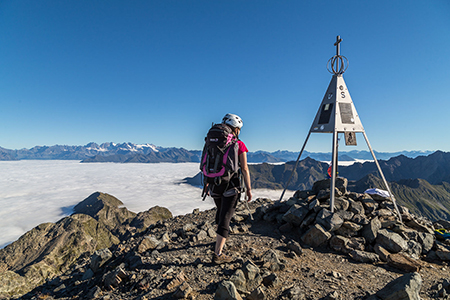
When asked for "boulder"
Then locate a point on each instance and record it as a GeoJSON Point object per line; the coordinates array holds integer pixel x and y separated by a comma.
{"type": "Point", "coordinates": [341, 204]}
{"type": "Point", "coordinates": [251, 272]}
{"type": "Point", "coordinates": [369, 204]}
{"type": "Point", "coordinates": [391, 241]}
{"type": "Point", "coordinates": [149, 242]}
{"type": "Point", "coordinates": [144, 219]}
{"type": "Point", "coordinates": [226, 291]}
{"type": "Point", "coordinates": [357, 207]}
{"type": "Point", "coordinates": [403, 262]}
{"type": "Point", "coordinates": [364, 257]}
{"type": "Point", "coordinates": [340, 244]}
{"type": "Point", "coordinates": [382, 253]}
{"type": "Point", "coordinates": [271, 280]}
{"type": "Point", "coordinates": [296, 214]}
{"type": "Point", "coordinates": [370, 231]}
{"type": "Point", "coordinates": [183, 291]}
{"type": "Point", "coordinates": [257, 294]}
{"type": "Point", "coordinates": [99, 258]}
{"type": "Point", "coordinates": [239, 281]}
{"type": "Point", "coordinates": [330, 221]}
{"type": "Point", "coordinates": [316, 236]}
{"type": "Point", "coordinates": [272, 261]}
{"type": "Point", "coordinates": [406, 287]}
{"type": "Point", "coordinates": [426, 240]}
{"type": "Point", "coordinates": [295, 247]}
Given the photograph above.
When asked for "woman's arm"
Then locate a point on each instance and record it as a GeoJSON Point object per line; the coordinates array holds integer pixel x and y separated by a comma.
{"type": "Point", "coordinates": [246, 174]}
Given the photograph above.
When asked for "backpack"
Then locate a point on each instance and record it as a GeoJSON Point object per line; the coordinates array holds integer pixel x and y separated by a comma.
{"type": "Point", "coordinates": [219, 161]}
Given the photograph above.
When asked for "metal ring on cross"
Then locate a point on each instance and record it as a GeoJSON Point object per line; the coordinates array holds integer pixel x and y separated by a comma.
{"type": "Point", "coordinates": [337, 65]}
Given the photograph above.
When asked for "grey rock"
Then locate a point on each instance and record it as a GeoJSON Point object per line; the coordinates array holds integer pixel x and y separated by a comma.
{"type": "Point", "coordinates": [384, 212]}
{"type": "Point", "coordinates": [309, 219]}
{"type": "Point", "coordinates": [357, 243]}
{"type": "Point", "coordinates": [272, 261]}
{"type": "Point", "coordinates": [340, 244]}
{"type": "Point", "coordinates": [444, 223]}
{"type": "Point", "coordinates": [369, 204]}
{"type": "Point", "coordinates": [382, 253]}
{"type": "Point", "coordinates": [388, 221]}
{"type": "Point", "coordinates": [257, 294]}
{"type": "Point", "coordinates": [345, 214]}
{"type": "Point", "coordinates": [239, 281]}
{"type": "Point", "coordinates": [114, 278]}
{"type": "Point", "coordinates": [296, 214]}
{"type": "Point", "coordinates": [360, 219]}
{"type": "Point", "coordinates": [226, 291]}
{"type": "Point", "coordinates": [99, 258]}
{"type": "Point", "coordinates": [252, 276]}
{"type": "Point", "coordinates": [314, 205]}
{"type": "Point", "coordinates": [149, 242]}
{"type": "Point", "coordinates": [211, 232]}
{"type": "Point", "coordinates": [391, 241]}
{"type": "Point", "coordinates": [443, 254]}
{"type": "Point", "coordinates": [352, 226]}
{"type": "Point", "coordinates": [294, 293]}
{"type": "Point", "coordinates": [406, 287]}
{"type": "Point", "coordinates": [271, 280]}
{"type": "Point", "coordinates": [189, 227]}
{"type": "Point", "coordinates": [370, 231]}
{"type": "Point", "coordinates": [316, 236]}
{"type": "Point", "coordinates": [87, 275]}
{"type": "Point", "coordinates": [183, 291]}
{"type": "Point", "coordinates": [332, 296]}
{"type": "Point", "coordinates": [426, 240]}
{"type": "Point", "coordinates": [330, 221]}
{"type": "Point", "coordinates": [202, 235]}
{"type": "Point", "coordinates": [60, 288]}
{"type": "Point", "coordinates": [357, 207]}
{"type": "Point", "coordinates": [341, 204]}
{"type": "Point", "coordinates": [417, 225]}
{"type": "Point", "coordinates": [414, 249]}
{"type": "Point", "coordinates": [295, 247]}
{"type": "Point", "coordinates": [94, 292]}
{"type": "Point", "coordinates": [303, 194]}
{"type": "Point", "coordinates": [323, 195]}
{"type": "Point", "coordinates": [364, 257]}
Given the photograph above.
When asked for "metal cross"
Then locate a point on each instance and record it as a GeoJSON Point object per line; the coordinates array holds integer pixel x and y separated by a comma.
{"type": "Point", "coordinates": [338, 41]}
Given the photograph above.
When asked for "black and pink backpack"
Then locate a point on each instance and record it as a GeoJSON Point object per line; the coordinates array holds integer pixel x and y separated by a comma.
{"type": "Point", "coordinates": [220, 161]}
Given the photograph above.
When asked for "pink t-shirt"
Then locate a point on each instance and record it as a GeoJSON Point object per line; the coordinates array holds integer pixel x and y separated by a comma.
{"type": "Point", "coordinates": [242, 147]}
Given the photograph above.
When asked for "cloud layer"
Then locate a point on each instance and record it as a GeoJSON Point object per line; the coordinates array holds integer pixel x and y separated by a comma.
{"type": "Point", "coordinates": [35, 192]}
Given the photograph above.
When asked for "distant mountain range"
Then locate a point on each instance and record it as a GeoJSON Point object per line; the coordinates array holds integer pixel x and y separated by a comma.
{"type": "Point", "coordinates": [148, 153]}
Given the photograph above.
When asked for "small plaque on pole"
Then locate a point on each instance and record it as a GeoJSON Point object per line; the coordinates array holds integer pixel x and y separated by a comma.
{"type": "Point", "coordinates": [350, 139]}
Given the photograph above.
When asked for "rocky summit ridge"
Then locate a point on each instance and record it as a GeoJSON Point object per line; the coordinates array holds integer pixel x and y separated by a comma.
{"type": "Point", "coordinates": [296, 249]}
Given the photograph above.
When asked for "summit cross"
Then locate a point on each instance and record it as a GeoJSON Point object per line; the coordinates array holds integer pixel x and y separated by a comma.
{"type": "Point", "coordinates": [337, 44]}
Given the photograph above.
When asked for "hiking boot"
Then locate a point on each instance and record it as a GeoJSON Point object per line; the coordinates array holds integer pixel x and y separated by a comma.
{"type": "Point", "coordinates": [222, 258]}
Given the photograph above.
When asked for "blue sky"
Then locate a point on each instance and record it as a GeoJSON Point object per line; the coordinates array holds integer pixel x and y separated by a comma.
{"type": "Point", "coordinates": [161, 72]}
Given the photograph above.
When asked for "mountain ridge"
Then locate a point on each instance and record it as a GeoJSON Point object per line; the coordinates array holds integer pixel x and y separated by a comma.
{"type": "Point", "coordinates": [125, 152]}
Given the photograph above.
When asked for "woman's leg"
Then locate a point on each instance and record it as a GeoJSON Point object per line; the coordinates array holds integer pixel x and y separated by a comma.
{"type": "Point", "coordinates": [228, 206]}
{"type": "Point", "coordinates": [220, 242]}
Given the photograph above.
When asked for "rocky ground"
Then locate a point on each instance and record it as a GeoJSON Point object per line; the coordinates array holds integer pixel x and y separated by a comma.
{"type": "Point", "coordinates": [273, 259]}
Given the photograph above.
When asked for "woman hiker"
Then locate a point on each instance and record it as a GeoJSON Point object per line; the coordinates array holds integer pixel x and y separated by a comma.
{"type": "Point", "coordinates": [226, 202]}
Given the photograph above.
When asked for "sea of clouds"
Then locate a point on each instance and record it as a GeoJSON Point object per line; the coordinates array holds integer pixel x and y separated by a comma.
{"type": "Point", "coordinates": [39, 191]}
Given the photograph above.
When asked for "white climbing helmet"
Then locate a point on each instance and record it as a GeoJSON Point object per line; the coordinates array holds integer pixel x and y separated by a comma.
{"type": "Point", "coordinates": [233, 120]}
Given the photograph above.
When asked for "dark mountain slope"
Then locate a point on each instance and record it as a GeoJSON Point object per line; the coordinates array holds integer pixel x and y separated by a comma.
{"type": "Point", "coordinates": [421, 197]}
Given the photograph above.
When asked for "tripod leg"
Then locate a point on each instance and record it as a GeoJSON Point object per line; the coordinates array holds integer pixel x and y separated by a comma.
{"type": "Point", "coordinates": [295, 167]}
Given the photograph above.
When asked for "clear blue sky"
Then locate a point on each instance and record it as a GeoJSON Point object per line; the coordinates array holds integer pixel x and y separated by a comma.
{"type": "Point", "coordinates": [161, 72]}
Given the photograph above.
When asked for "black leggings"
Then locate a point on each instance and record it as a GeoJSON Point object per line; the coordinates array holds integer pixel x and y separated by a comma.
{"type": "Point", "coordinates": [226, 206]}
